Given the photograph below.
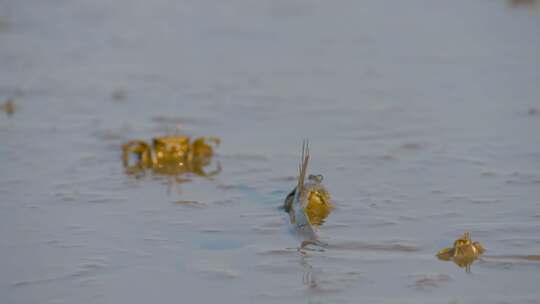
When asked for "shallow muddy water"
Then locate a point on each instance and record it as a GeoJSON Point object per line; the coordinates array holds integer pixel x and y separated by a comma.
{"type": "Point", "coordinates": [423, 116]}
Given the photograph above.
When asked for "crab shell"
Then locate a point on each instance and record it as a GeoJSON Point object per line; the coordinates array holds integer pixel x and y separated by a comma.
{"type": "Point", "coordinates": [171, 149]}
{"type": "Point", "coordinates": [319, 206]}
{"type": "Point", "coordinates": [465, 247]}
{"type": "Point", "coordinates": [172, 155]}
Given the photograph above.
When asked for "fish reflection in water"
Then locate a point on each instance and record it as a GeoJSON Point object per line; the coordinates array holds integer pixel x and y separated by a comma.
{"type": "Point", "coordinates": [309, 277]}
{"type": "Point", "coordinates": [319, 281]}
{"type": "Point", "coordinates": [171, 156]}
{"type": "Point", "coordinates": [463, 253]}
{"type": "Point", "coordinates": [308, 204]}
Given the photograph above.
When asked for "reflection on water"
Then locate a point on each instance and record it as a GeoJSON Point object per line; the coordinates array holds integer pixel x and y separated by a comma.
{"type": "Point", "coordinates": [4, 24]}
{"type": "Point", "coordinates": [362, 246]}
{"type": "Point", "coordinates": [464, 252]}
{"type": "Point", "coordinates": [319, 281]}
{"type": "Point", "coordinates": [430, 281]}
{"type": "Point", "coordinates": [309, 277]}
{"type": "Point", "coordinates": [172, 156]}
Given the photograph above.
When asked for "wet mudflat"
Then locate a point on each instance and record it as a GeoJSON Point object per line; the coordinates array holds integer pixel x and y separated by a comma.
{"type": "Point", "coordinates": [421, 116]}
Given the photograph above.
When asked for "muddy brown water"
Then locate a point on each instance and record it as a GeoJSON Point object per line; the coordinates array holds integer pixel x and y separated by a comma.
{"type": "Point", "coordinates": [421, 115]}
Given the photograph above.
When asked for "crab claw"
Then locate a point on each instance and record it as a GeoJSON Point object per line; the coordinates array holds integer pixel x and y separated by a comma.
{"type": "Point", "coordinates": [203, 147]}
{"type": "Point", "coordinates": [197, 168]}
{"type": "Point", "coordinates": [141, 150]}
{"type": "Point", "coordinates": [445, 254]}
{"type": "Point", "coordinates": [479, 248]}
{"type": "Point", "coordinates": [200, 154]}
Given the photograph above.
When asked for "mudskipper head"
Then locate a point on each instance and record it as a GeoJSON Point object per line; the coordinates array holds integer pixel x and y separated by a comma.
{"type": "Point", "coordinates": [316, 178]}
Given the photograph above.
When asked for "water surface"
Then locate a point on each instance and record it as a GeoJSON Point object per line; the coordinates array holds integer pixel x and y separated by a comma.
{"type": "Point", "coordinates": [422, 116]}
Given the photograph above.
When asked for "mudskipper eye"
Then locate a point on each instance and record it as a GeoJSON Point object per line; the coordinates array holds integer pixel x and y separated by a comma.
{"type": "Point", "coordinates": [316, 178]}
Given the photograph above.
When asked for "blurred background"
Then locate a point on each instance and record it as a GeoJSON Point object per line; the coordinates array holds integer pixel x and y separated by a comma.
{"type": "Point", "coordinates": [423, 116]}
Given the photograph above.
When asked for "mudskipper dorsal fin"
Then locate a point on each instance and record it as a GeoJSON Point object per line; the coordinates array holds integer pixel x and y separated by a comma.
{"type": "Point", "coordinates": [303, 168]}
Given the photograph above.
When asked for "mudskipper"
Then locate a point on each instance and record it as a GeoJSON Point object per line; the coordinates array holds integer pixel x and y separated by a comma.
{"type": "Point", "coordinates": [308, 204]}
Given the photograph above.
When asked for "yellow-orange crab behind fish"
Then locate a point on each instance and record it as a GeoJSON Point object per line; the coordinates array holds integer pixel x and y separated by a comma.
{"type": "Point", "coordinates": [172, 155]}
{"type": "Point", "coordinates": [319, 206]}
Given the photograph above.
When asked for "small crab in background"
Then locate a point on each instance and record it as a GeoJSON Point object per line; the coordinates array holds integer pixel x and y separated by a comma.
{"type": "Point", "coordinates": [9, 107]}
{"type": "Point", "coordinates": [464, 252]}
{"type": "Point", "coordinates": [529, 4]}
{"type": "Point", "coordinates": [171, 155]}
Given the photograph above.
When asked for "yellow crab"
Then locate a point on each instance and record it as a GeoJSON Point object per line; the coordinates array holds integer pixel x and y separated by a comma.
{"type": "Point", "coordinates": [464, 252]}
{"type": "Point", "coordinates": [9, 107]}
{"type": "Point", "coordinates": [171, 155]}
